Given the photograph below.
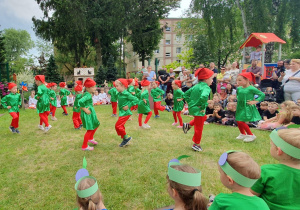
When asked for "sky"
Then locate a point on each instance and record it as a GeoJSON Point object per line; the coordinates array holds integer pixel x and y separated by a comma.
{"type": "Point", "coordinates": [18, 14]}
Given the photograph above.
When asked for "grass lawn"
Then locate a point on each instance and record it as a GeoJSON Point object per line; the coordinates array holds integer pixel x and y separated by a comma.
{"type": "Point", "coordinates": [38, 169]}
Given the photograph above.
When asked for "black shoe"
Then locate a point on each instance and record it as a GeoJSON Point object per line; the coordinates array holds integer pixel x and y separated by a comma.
{"type": "Point", "coordinates": [125, 141]}
{"type": "Point", "coordinates": [197, 148]}
{"type": "Point", "coordinates": [17, 131]}
{"type": "Point", "coordinates": [80, 126]}
{"type": "Point", "coordinates": [186, 127]}
{"type": "Point", "coordinates": [12, 129]}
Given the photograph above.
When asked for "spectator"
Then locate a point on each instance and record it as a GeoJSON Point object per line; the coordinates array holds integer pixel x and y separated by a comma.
{"type": "Point", "coordinates": [256, 70]}
{"type": "Point", "coordinates": [149, 74]}
{"type": "Point", "coordinates": [255, 55]}
{"type": "Point", "coordinates": [234, 73]}
{"type": "Point", "coordinates": [222, 79]}
{"type": "Point", "coordinates": [186, 80]}
{"type": "Point", "coordinates": [181, 73]}
{"type": "Point", "coordinates": [229, 118]}
{"type": "Point", "coordinates": [230, 89]}
{"type": "Point", "coordinates": [169, 101]}
{"type": "Point", "coordinates": [276, 74]}
{"type": "Point", "coordinates": [169, 84]}
{"type": "Point", "coordinates": [291, 81]}
{"type": "Point", "coordinates": [271, 111]}
{"type": "Point", "coordinates": [214, 83]}
{"type": "Point", "coordinates": [163, 80]}
{"type": "Point", "coordinates": [287, 64]}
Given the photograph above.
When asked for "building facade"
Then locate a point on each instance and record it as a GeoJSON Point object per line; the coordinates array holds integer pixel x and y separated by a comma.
{"type": "Point", "coordinates": [170, 46]}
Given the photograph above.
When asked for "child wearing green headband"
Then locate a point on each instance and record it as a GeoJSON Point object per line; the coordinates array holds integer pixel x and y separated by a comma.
{"type": "Point", "coordinates": [279, 184]}
{"type": "Point", "coordinates": [238, 172]}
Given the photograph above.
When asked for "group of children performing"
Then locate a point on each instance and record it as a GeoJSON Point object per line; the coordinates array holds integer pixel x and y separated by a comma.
{"type": "Point", "coordinates": [271, 186]}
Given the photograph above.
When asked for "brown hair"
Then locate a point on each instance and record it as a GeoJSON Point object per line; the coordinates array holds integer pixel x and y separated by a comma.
{"type": "Point", "coordinates": [232, 103]}
{"type": "Point", "coordinates": [295, 107]}
{"type": "Point", "coordinates": [192, 197]}
{"type": "Point", "coordinates": [273, 103]}
{"type": "Point", "coordinates": [218, 104]}
{"type": "Point", "coordinates": [264, 103]}
{"type": "Point", "coordinates": [291, 136]}
{"type": "Point", "coordinates": [233, 97]}
{"type": "Point", "coordinates": [244, 164]}
{"type": "Point", "coordinates": [92, 202]}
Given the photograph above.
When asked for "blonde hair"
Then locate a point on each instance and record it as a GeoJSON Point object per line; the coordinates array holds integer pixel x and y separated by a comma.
{"type": "Point", "coordinates": [291, 136]}
{"type": "Point", "coordinates": [244, 164]}
{"type": "Point", "coordinates": [92, 202]}
{"type": "Point", "coordinates": [232, 103]}
{"type": "Point", "coordinates": [295, 107]}
{"type": "Point", "coordinates": [289, 105]}
{"type": "Point", "coordinates": [273, 103]}
{"type": "Point", "coordinates": [296, 61]}
{"type": "Point", "coordinates": [231, 97]}
{"type": "Point", "coordinates": [192, 197]}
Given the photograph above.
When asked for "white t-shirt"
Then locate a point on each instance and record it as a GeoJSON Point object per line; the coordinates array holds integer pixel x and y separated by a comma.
{"type": "Point", "coordinates": [234, 73]}
{"type": "Point", "coordinates": [32, 101]}
{"type": "Point", "coordinates": [70, 99]}
{"type": "Point", "coordinates": [96, 99]}
{"type": "Point", "coordinates": [102, 96]}
{"type": "Point", "coordinates": [292, 85]}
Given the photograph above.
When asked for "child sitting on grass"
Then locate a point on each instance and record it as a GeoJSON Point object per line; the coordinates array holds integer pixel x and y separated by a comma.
{"type": "Point", "coordinates": [229, 118]}
{"type": "Point", "coordinates": [279, 184]}
{"type": "Point", "coordinates": [169, 101]}
{"type": "Point", "coordinates": [271, 111]}
{"type": "Point", "coordinates": [32, 101]}
{"type": "Point", "coordinates": [238, 172]}
{"type": "Point", "coordinates": [263, 106]}
{"type": "Point", "coordinates": [217, 115]}
{"type": "Point", "coordinates": [210, 108]}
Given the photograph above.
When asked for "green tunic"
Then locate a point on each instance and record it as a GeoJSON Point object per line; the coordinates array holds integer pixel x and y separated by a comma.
{"type": "Point", "coordinates": [178, 105]}
{"type": "Point", "coordinates": [13, 100]}
{"type": "Point", "coordinates": [157, 92]}
{"type": "Point", "coordinates": [89, 121]}
{"type": "Point", "coordinates": [76, 106]}
{"type": "Point", "coordinates": [197, 97]}
{"type": "Point", "coordinates": [63, 96]}
{"type": "Point", "coordinates": [42, 95]}
{"type": "Point", "coordinates": [244, 111]}
{"type": "Point", "coordinates": [142, 107]}
{"type": "Point", "coordinates": [114, 94]}
{"type": "Point", "coordinates": [126, 99]}
{"type": "Point", "coordinates": [52, 94]}
{"type": "Point", "coordinates": [130, 89]}
{"type": "Point", "coordinates": [138, 93]}
{"type": "Point", "coordinates": [238, 201]}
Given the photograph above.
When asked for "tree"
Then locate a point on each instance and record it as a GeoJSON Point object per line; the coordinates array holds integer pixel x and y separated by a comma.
{"type": "Point", "coordinates": [17, 43]}
{"type": "Point", "coordinates": [52, 74]}
{"type": "Point", "coordinates": [111, 74]}
{"type": "Point", "coordinates": [44, 47]}
{"type": "Point", "coordinates": [101, 75]}
{"type": "Point", "coordinates": [2, 48]}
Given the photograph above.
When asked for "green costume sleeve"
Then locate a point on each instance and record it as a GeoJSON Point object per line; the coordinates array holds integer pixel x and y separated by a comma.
{"type": "Point", "coordinates": [39, 92]}
{"type": "Point", "coordinates": [131, 89]}
{"type": "Point", "coordinates": [261, 95]}
{"type": "Point", "coordinates": [203, 97]}
{"type": "Point", "coordinates": [4, 101]}
{"type": "Point", "coordinates": [67, 92]}
{"type": "Point", "coordinates": [82, 101]}
{"type": "Point", "coordinates": [62, 92]}
{"type": "Point", "coordinates": [134, 100]}
{"type": "Point", "coordinates": [20, 100]}
{"type": "Point", "coordinates": [187, 95]}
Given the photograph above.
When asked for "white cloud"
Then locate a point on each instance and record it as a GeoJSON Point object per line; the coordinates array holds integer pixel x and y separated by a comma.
{"type": "Point", "coordinates": [184, 5]}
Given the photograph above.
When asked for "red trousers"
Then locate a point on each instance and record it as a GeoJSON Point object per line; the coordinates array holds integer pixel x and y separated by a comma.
{"type": "Point", "coordinates": [44, 118]}
{"type": "Point", "coordinates": [76, 119]}
{"type": "Point", "coordinates": [120, 125]}
{"type": "Point", "coordinates": [52, 109]}
{"type": "Point", "coordinates": [15, 119]}
{"type": "Point", "coordinates": [157, 107]}
{"type": "Point", "coordinates": [114, 107]}
{"type": "Point", "coordinates": [134, 107]}
{"type": "Point", "coordinates": [177, 115]}
{"type": "Point", "coordinates": [244, 128]}
{"type": "Point", "coordinates": [64, 108]}
{"type": "Point", "coordinates": [147, 118]}
{"type": "Point", "coordinates": [198, 123]}
{"type": "Point", "coordinates": [89, 135]}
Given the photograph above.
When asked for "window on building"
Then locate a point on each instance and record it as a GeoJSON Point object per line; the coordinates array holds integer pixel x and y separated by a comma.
{"type": "Point", "coordinates": [168, 41]}
{"type": "Point", "coordinates": [178, 50]}
{"type": "Point", "coordinates": [179, 61]}
{"type": "Point", "coordinates": [156, 51]}
{"type": "Point", "coordinates": [134, 64]}
{"type": "Point", "coordinates": [168, 28]}
{"type": "Point", "coordinates": [168, 54]}
{"type": "Point", "coordinates": [178, 24]}
{"type": "Point", "coordinates": [178, 38]}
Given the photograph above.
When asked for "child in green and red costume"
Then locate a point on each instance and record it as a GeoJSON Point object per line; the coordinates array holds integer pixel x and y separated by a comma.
{"type": "Point", "coordinates": [246, 110]}
{"type": "Point", "coordinates": [197, 97]}
{"type": "Point", "coordinates": [63, 97]}
{"type": "Point", "coordinates": [144, 105]}
{"type": "Point", "coordinates": [178, 102]}
{"type": "Point", "coordinates": [114, 99]}
{"type": "Point", "coordinates": [43, 103]}
{"type": "Point", "coordinates": [53, 99]}
{"type": "Point", "coordinates": [125, 102]}
{"type": "Point", "coordinates": [137, 93]}
{"type": "Point", "coordinates": [157, 95]}
{"type": "Point", "coordinates": [131, 90]}
{"type": "Point", "coordinates": [76, 108]}
{"type": "Point", "coordinates": [12, 102]}
{"type": "Point", "coordinates": [88, 114]}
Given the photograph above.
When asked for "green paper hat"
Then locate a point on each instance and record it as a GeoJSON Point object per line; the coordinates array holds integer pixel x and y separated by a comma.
{"type": "Point", "coordinates": [236, 176]}
{"type": "Point", "coordinates": [181, 177]}
{"type": "Point", "coordinates": [81, 175]}
{"type": "Point", "coordinates": [284, 146]}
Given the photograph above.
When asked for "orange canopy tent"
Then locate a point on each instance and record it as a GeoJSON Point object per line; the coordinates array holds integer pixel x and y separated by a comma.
{"type": "Point", "coordinates": [256, 39]}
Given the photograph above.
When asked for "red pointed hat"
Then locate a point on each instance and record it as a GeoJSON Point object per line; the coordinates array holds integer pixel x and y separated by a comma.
{"type": "Point", "coordinates": [62, 84]}
{"type": "Point", "coordinates": [114, 84]}
{"type": "Point", "coordinates": [248, 75]}
{"type": "Point", "coordinates": [49, 85]}
{"type": "Point", "coordinates": [157, 82]}
{"type": "Point", "coordinates": [89, 83]}
{"type": "Point", "coordinates": [79, 82]}
{"type": "Point", "coordinates": [123, 81]}
{"type": "Point", "coordinates": [178, 83]}
{"type": "Point", "coordinates": [53, 84]}
{"type": "Point", "coordinates": [11, 85]}
{"type": "Point", "coordinates": [40, 78]}
{"type": "Point", "coordinates": [129, 81]}
{"type": "Point", "coordinates": [136, 82]}
{"type": "Point", "coordinates": [78, 88]}
{"type": "Point", "coordinates": [203, 73]}
{"type": "Point", "coordinates": [145, 83]}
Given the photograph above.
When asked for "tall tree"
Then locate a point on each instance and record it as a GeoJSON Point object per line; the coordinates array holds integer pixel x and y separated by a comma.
{"type": "Point", "coordinates": [111, 74]}
{"type": "Point", "coordinates": [52, 74]}
{"type": "Point", "coordinates": [101, 75]}
{"type": "Point", "coordinates": [2, 48]}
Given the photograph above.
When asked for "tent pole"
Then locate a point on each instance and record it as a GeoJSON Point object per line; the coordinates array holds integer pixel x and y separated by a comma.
{"type": "Point", "coordinates": [243, 60]}
{"type": "Point", "coordinates": [279, 51]}
{"type": "Point", "coordinates": [263, 60]}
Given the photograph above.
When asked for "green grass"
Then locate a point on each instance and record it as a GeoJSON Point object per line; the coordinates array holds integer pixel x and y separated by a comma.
{"type": "Point", "coordinates": [38, 170]}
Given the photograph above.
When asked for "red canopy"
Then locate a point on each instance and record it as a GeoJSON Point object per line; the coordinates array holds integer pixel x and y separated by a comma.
{"type": "Point", "coordinates": [256, 39]}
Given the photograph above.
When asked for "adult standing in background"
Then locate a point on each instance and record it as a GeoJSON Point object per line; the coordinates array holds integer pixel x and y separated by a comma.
{"type": "Point", "coordinates": [213, 86]}
{"type": "Point", "coordinates": [163, 80]}
{"type": "Point", "coordinates": [256, 70]}
{"type": "Point", "coordinates": [172, 78]}
{"type": "Point", "coordinates": [234, 72]}
{"type": "Point", "coordinates": [276, 74]}
{"type": "Point", "coordinates": [150, 76]}
{"type": "Point", "coordinates": [292, 87]}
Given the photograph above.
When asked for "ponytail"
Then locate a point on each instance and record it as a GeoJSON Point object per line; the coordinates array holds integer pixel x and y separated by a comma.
{"type": "Point", "coordinates": [199, 201]}
{"type": "Point", "coordinates": [92, 205]}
